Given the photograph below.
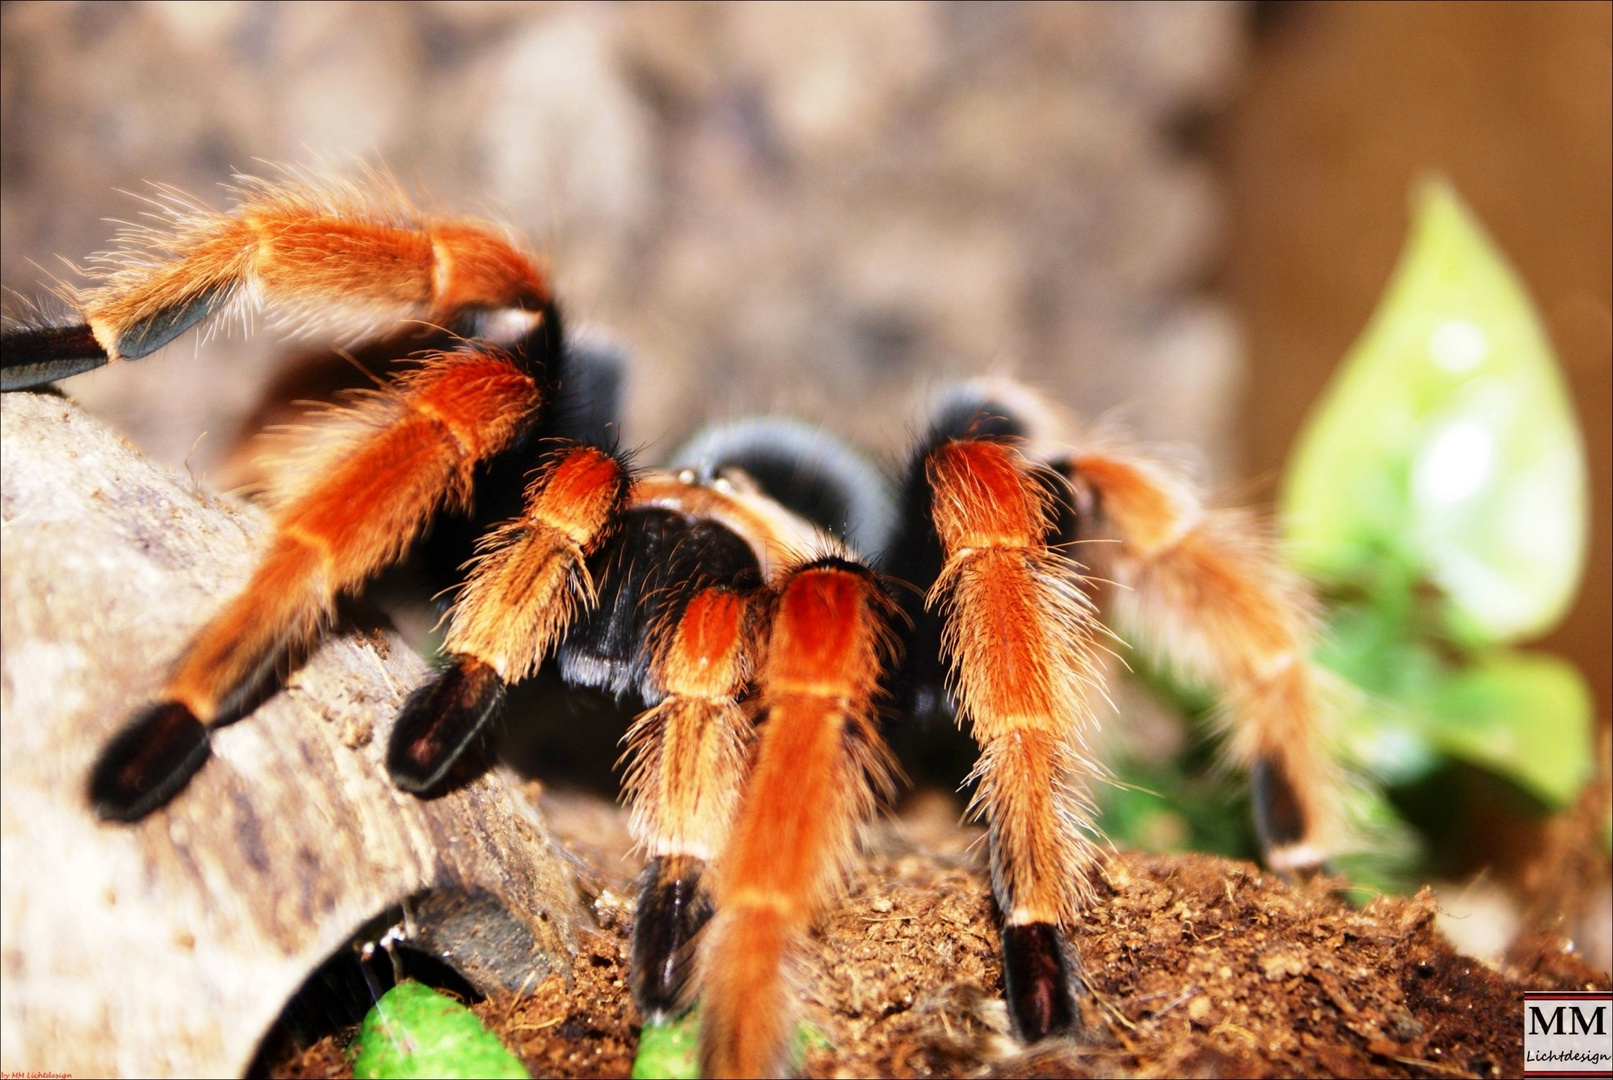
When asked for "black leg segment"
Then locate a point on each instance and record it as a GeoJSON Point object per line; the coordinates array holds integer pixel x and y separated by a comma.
{"type": "Point", "coordinates": [673, 907]}
{"type": "Point", "coordinates": [149, 762]}
{"type": "Point", "coordinates": [440, 721]}
{"type": "Point", "coordinates": [1040, 982]}
{"type": "Point", "coordinates": [32, 356]}
{"type": "Point", "coordinates": [1281, 820]}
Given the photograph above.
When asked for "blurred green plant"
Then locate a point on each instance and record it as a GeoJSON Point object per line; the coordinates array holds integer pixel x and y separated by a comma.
{"type": "Point", "coordinates": [669, 1048]}
{"type": "Point", "coordinates": [414, 1031]}
{"type": "Point", "coordinates": [1437, 495]}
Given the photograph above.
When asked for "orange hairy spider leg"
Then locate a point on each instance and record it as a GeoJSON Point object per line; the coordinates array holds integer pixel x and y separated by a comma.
{"type": "Point", "coordinates": [418, 445]}
{"type": "Point", "coordinates": [687, 752]}
{"type": "Point", "coordinates": [1017, 637]}
{"type": "Point", "coordinates": [671, 625]}
{"type": "Point", "coordinates": [281, 247]}
{"type": "Point", "coordinates": [1210, 589]}
{"type": "Point", "coordinates": [688, 766]}
{"type": "Point", "coordinates": [401, 453]}
{"type": "Point", "coordinates": [818, 762]}
{"type": "Point", "coordinates": [522, 594]}
{"type": "Point", "coordinates": [476, 269]}
{"type": "Point", "coordinates": [525, 586]}
{"type": "Point", "coordinates": [914, 555]}
{"type": "Point", "coordinates": [438, 268]}
{"type": "Point", "coordinates": [288, 254]}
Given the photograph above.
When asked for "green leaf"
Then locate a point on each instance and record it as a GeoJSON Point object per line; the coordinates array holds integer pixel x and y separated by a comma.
{"type": "Point", "coordinates": [1383, 731]}
{"type": "Point", "coordinates": [1445, 444]}
{"type": "Point", "coordinates": [1386, 853]}
{"type": "Point", "coordinates": [1526, 716]}
{"type": "Point", "coordinates": [670, 1049]}
{"type": "Point", "coordinates": [413, 1031]}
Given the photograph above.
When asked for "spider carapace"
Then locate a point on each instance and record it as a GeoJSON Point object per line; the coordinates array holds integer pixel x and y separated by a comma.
{"type": "Point", "coordinates": [766, 595]}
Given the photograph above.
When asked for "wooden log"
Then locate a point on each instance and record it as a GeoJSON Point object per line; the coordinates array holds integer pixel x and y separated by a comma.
{"type": "Point", "coordinates": [170, 946]}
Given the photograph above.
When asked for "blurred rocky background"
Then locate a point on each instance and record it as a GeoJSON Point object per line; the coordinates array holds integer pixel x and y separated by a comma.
{"type": "Point", "coordinates": [824, 209]}
{"type": "Point", "coordinates": [1174, 215]}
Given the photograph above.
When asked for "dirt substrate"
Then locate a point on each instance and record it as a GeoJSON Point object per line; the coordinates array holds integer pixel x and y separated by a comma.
{"type": "Point", "coordinates": [1196, 966]}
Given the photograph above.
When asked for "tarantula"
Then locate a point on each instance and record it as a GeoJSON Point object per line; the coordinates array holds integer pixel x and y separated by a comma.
{"type": "Point", "coordinates": [761, 595]}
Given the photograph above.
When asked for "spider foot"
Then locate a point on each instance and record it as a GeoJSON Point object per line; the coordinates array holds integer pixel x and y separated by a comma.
{"type": "Point", "coordinates": [1041, 981]}
{"type": "Point", "coordinates": [440, 721]}
{"type": "Point", "coordinates": [148, 762]}
{"type": "Point", "coordinates": [673, 908]}
{"type": "Point", "coordinates": [1282, 821]}
{"type": "Point", "coordinates": [35, 355]}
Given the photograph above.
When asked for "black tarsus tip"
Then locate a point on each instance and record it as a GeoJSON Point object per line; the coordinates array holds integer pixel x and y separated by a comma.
{"type": "Point", "coordinates": [32, 356]}
{"type": "Point", "coordinates": [149, 762]}
{"type": "Point", "coordinates": [1039, 982]}
{"type": "Point", "coordinates": [672, 909]}
{"type": "Point", "coordinates": [147, 336]}
{"type": "Point", "coordinates": [1281, 822]}
{"type": "Point", "coordinates": [1279, 819]}
{"type": "Point", "coordinates": [440, 721]}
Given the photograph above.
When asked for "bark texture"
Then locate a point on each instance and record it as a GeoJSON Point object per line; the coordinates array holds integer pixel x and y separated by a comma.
{"type": "Point", "coordinates": [170, 946]}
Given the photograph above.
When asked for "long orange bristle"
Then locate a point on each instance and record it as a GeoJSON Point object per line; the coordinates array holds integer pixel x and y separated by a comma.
{"type": "Point", "coordinates": [396, 457]}
{"type": "Point", "coordinates": [1018, 639]}
{"type": "Point", "coordinates": [525, 586]}
{"type": "Point", "coordinates": [819, 759]}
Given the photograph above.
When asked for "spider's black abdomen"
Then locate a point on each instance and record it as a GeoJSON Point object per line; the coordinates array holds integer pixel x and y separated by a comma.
{"type": "Point", "coordinates": [804, 470]}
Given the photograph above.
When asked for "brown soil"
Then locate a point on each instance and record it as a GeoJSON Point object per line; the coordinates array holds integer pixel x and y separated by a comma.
{"type": "Point", "coordinates": [1197, 966]}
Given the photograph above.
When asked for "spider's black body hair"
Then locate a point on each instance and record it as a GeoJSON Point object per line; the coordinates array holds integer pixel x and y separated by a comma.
{"type": "Point", "coordinates": [654, 563]}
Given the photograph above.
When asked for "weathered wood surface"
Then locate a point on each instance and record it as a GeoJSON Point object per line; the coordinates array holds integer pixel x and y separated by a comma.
{"type": "Point", "coordinates": [170, 946]}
